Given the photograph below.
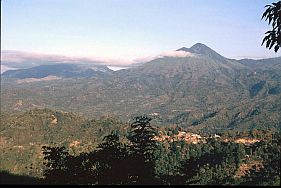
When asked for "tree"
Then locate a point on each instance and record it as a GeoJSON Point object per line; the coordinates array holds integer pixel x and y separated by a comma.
{"type": "Point", "coordinates": [269, 173]}
{"type": "Point", "coordinates": [111, 161]}
{"type": "Point", "coordinates": [63, 168]}
{"type": "Point", "coordinates": [273, 15]}
{"type": "Point", "coordinates": [141, 136]}
{"type": "Point", "coordinates": [239, 155]}
{"type": "Point", "coordinates": [55, 158]}
{"type": "Point", "coordinates": [142, 149]}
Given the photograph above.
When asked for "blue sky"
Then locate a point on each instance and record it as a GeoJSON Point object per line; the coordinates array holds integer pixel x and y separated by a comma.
{"type": "Point", "coordinates": [129, 29]}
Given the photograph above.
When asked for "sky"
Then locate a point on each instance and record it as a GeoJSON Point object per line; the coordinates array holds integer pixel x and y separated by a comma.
{"type": "Point", "coordinates": [127, 30]}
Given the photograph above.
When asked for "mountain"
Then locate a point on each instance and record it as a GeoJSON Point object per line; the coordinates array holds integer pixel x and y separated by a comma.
{"type": "Point", "coordinates": [189, 89]}
{"type": "Point", "coordinates": [203, 91]}
{"type": "Point", "coordinates": [265, 64]}
{"type": "Point", "coordinates": [202, 49]}
{"type": "Point", "coordinates": [59, 70]}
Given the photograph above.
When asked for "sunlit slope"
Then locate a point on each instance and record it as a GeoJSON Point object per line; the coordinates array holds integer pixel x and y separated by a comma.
{"type": "Point", "coordinates": [201, 90]}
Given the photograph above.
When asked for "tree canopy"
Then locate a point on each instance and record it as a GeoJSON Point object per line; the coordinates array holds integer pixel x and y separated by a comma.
{"type": "Point", "coordinates": [273, 15]}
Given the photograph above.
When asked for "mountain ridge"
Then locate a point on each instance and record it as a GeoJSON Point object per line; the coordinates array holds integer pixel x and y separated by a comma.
{"type": "Point", "coordinates": [64, 70]}
{"type": "Point", "coordinates": [180, 90]}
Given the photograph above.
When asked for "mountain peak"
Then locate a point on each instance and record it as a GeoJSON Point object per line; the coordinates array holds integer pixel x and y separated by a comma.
{"type": "Point", "coordinates": [202, 49]}
{"type": "Point", "coordinates": [196, 48]}
{"type": "Point", "coordinates": [200, 46]}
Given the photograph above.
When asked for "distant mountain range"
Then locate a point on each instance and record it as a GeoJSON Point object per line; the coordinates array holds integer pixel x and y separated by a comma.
{"type": "Point", "coordinates": [59, 70]}
{"type": "Point", "coordinates": [13, 60]}
{"type": "Point", "coordinates": [200, 90]}
{"type": "Point", "coordinates": [23, 60]}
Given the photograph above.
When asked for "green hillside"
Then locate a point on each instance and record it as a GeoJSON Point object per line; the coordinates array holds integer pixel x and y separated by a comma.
{"type": "Point", "coordinates": [22, 136]}
{"type": "Point", "coordinates": [102, 151]}
{"type": "Point", "coordinates": [202, 92]}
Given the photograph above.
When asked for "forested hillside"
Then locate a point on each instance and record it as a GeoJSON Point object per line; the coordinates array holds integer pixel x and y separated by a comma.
{"type": "Point", "coordinates": [202, 91]}
{"type": "Point", "coordinates": [64, 148]}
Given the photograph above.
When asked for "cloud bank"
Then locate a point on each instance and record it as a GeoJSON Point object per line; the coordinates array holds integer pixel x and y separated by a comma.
{"type": "Point", "coordinates": [164, 54]}
{"type": "Point", "coordinates": [17, 57]}
{"type": "Point", "coordinates": [20, 57]}
{"type": "Point", "coordinates": [11, 58]}
{"type": "Point", "coordinates": [177, 54]}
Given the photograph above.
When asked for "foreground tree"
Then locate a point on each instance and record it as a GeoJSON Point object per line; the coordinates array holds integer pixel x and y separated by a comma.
{"type": "Point", "coordinates": [63, 168]}
{"type": "Point", "coordinates": [142, 150]}
{"type": "Point", "coordinates": [273, 15]}
{"type": "Point", "coordinates": [111, 161]}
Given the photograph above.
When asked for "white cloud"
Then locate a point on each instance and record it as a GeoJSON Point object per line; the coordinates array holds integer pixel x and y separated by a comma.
{"type": "Point", "coordinates": [116, 68]}
{"type": "Point", "coordinates": [177, 54]}
{"type": "Point", "coordinates": [145, 59]}
{"type": "Point", "coordinates": [21, 56]}
{"type": "Point", "coordinates": [164, 54]}
{"type": "Point", "coordinates": [5, 68]}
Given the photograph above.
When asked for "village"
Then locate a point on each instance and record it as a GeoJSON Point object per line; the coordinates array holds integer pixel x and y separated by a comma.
{"type": "Point", "coordinates": [193, 138]}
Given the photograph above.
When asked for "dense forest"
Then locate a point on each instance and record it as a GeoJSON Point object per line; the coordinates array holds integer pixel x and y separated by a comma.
{"type": "Point", "coordinates": [144, 154]}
